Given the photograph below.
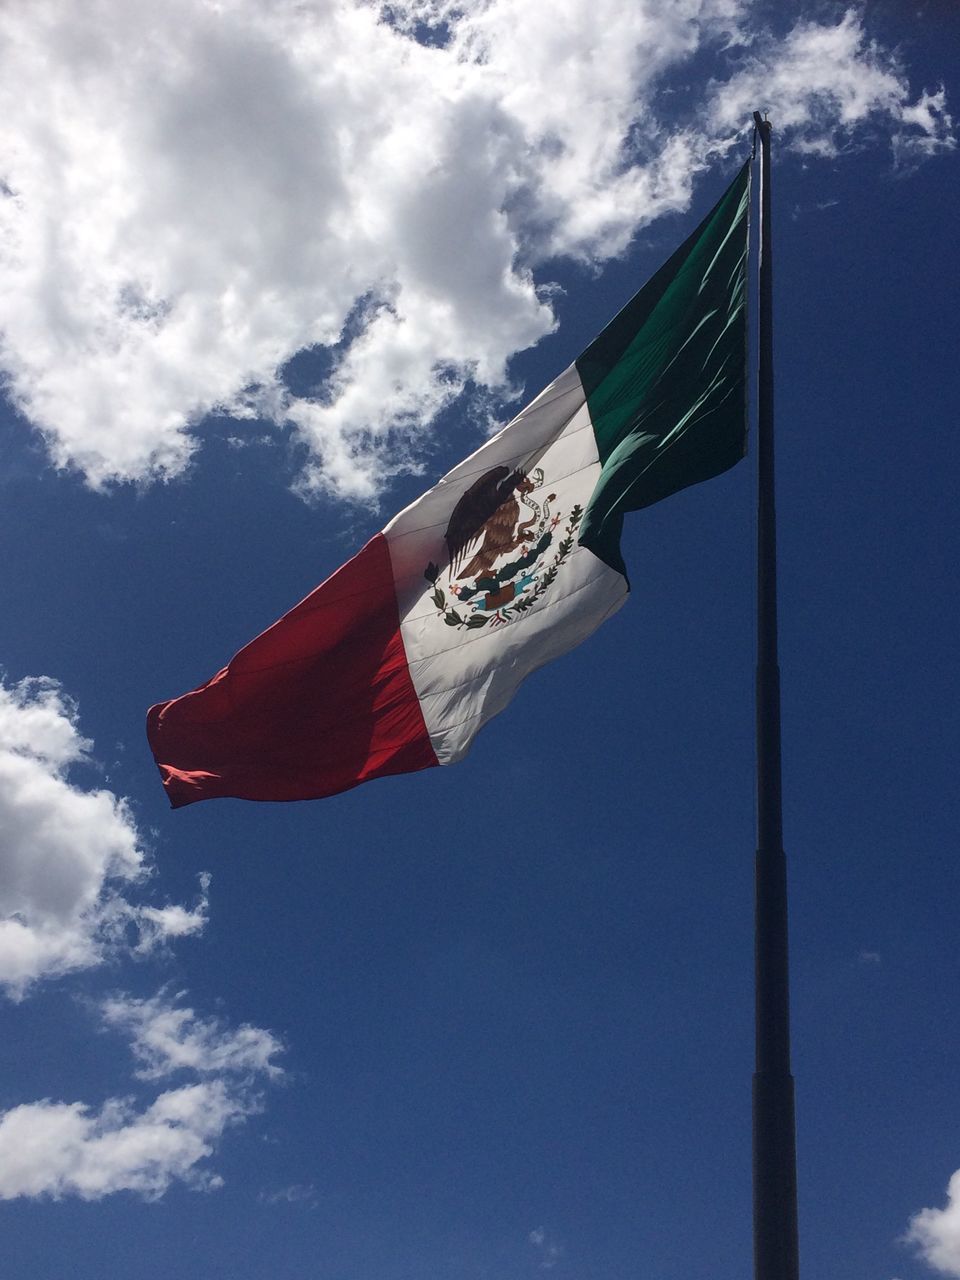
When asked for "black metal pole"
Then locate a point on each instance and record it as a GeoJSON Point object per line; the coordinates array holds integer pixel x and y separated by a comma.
{"type": "Point", "coordinates": [775, 1246]}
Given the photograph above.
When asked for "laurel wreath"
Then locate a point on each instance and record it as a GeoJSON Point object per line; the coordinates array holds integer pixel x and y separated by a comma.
{"type": "Point", "coordinates": [453, 618]}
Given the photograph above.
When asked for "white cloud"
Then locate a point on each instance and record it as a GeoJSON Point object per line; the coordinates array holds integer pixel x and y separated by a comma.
{"type": "Point", "coordinates": [929, 128]}
{"type": "Point", "coordinates": [69, 855]}
{"type": "Point", "coordinates": [161, 924]}
{"type": "Point", "coordinates": [65, 1148]}
{"type": "Point", "coordinates": [167, 1038]}
{"type": "Point", "coordinates": [936, 1232]}
{"type": "Point", "coordinates": [71, 859]}
{"type": "Point", "coordinates": [200, 189]}
{"type": "Point", "coordinates": [61, 1148]}
{"type": "Point", "coordinates": [822, 82]}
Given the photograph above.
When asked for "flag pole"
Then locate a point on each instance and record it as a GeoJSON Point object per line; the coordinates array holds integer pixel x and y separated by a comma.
{"type": "Point", "coordinates": [775, 1247]}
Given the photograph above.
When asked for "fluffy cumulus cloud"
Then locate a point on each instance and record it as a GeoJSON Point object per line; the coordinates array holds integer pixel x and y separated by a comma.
{"type": "Point", "coordinates": [72, 873]}
{"type": "Point", "coordinates": [194, 192]}
{"type": "Point", "coordinates": [58, 1149]}
{"type": "Point", "coordinates": [936, 1232]}
{"type": "Point", "coordinates": [71, 858]}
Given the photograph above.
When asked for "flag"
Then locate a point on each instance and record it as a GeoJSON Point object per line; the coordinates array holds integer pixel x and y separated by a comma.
{"type": "Point", "coordinates": [396, 661]}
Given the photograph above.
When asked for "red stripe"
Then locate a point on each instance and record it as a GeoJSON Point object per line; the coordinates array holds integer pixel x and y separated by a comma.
{"type": "Point", "coordinates": [319, 702]}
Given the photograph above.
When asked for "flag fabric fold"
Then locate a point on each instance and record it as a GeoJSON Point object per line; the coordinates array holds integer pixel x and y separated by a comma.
{"type": "Point", "coordinates": [397, 660]}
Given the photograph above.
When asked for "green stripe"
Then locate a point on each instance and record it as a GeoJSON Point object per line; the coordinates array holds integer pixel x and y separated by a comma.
{"type": "Point", "coordinates": [666, 380]}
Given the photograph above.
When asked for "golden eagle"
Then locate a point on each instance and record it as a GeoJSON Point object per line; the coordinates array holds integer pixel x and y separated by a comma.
{"type": "Point", "coordinates": [488, 507]}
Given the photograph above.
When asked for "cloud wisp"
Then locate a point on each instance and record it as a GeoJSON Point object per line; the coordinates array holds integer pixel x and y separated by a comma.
{"type": "Point", "coordinates": [549, 1251]}
{"type": "Point", "coordinates": [71, 857]}
{"type": "Point", "coordinates": [166, 1037]}
{"type": "Point", "coordinates": [56, 1149]}
{"type": "Point", "coordinates": [314, 175]}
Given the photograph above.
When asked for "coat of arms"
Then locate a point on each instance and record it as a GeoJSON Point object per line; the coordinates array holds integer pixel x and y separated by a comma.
{"type": "Point", "coordinates": [499, 542]}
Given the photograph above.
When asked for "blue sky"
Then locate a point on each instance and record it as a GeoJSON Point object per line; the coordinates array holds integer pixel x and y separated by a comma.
{"type": "Point", "coordinates": [270, 271]}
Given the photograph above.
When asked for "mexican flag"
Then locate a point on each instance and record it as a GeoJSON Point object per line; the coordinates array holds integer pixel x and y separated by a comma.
{"type": "Point", "coordinates": [397, 660]}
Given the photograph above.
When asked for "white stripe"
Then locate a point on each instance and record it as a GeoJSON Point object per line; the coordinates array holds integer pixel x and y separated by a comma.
{"type": "Point", "coordinates": [464, 676]}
